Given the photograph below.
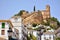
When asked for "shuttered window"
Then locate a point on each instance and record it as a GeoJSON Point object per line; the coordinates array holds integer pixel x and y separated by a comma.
{"type": "Point", "coordinates": [3, 25]}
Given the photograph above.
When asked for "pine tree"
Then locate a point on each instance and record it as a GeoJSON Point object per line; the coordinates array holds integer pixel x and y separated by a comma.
{"type": "Point", "coordinates": [34, 8]}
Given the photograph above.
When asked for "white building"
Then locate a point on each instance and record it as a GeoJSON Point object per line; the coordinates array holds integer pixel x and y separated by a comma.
{"type": "Point", "coordinates": [35, 31]}
{"type": "Point", "coordinates": [18, 27]}
{"type": "Point", "coordinates": [4, 27]}
{"type": "Point", "coordinates": [48, 36]}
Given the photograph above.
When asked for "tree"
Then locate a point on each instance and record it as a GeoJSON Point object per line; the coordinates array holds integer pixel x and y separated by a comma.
{"type": "Point", "coordinates": [34, 25]}
{"type": "Point", "coordinates": [20, 13]}
{"type": "Point", "coordinates": [34, 8]}
{"type": "Point", "coordinates": [57, 38]}
{"type": "Point", "coordinates": [33, 37]}
{"type": "Point", "coordinates": [46, 24]}
{"type": "Point", "coordinates": [53, 19]}
{"type": "Point", "coordinates": [57, 23]}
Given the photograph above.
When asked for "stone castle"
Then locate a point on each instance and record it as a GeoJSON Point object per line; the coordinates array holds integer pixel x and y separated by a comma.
{"type": "Point", "coordinates": [36, 16]}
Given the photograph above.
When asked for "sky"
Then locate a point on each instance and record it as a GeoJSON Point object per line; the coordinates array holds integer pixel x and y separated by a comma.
{"type": "Point", "coordinates": [9, 8]}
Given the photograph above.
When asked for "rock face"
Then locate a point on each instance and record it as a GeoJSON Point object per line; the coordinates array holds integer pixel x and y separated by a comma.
{"type": "Point", "coordinates": [36, 17]}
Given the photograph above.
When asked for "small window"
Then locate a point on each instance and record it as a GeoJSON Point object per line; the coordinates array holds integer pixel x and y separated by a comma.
{"type": "Point", "coordinates": [49, 37]}
{"type": "Point", "coordinates": [2, 32]}
{"type": "Point", "coordinates": [45, 38]}
{"type": "Point", "coordinates": [3, 25]}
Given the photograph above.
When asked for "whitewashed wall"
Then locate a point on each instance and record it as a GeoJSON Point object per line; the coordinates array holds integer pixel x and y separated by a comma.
{"type": "Point", "coordinates": [16, 22]}
{"type": "Point", "coordinates": [6, 29]}
{"type": "Point", "coordinates": [47, 36]}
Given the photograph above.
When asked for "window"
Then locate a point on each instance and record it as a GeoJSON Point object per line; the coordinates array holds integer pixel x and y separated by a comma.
{"type": "Point", "coordinates": [2, 32]}
{"type": "Point", "coordinates": [44, 38]}
{"type": "Point", "coordinates": [3, 25]}
{"type": "Point", "coordinates": [49, 37]}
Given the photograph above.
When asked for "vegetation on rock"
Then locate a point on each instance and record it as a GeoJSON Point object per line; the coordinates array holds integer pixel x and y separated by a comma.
{"type": "Point", "coordinates": [57, 38]}
{"type": "Point", "coordinates": [34, 25]}
{"type": "Point", "coordinates": [20, 13]}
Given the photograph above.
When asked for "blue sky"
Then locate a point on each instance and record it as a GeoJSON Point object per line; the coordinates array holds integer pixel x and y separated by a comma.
{"type": "Point", "coordinates": [10, 7]}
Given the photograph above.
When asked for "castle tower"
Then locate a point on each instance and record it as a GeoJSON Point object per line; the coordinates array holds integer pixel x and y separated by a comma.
{"type": "Point", "coordinates": [48, 11]}
{"type": "Point", "coordinates": [47, 7]}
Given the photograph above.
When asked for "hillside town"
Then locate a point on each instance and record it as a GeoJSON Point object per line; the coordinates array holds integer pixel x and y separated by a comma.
{"type": "Point", "coordinates": [36, 25]}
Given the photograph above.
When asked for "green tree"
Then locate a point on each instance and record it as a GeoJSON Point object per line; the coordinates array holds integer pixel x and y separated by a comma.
{"type": "Point", "coordinates": [57, 38]}
{"type": "Point", "coordinates": [33, 37]}
{"type": "Point", "coordinates": [34, 8]}
{"type": "Point", "coordinates": [53, 26]}
{"type": "Point", "coordinates": [55, 19]}
{"type": "Point", "coordinates": [34, 25]}
{"type": "Point", "coordinates": [20, 13]}
{"type": "Point", "coordinates": [46, 24]}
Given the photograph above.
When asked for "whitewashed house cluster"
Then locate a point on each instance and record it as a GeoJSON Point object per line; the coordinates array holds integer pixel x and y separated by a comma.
{"type": "Point", "coordinates": [20, 32]}
{"type": "Point", "coordinates": [49, 34]}
{"type": "Point", "coordinates": [41, 34]}
{"type": "Point", "coordinates": [15, 26]}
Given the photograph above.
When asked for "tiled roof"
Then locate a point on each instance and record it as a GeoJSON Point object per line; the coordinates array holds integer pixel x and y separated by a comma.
{"type": "Point", "coordinates": [7, 21]}
{"type": "Point", "coordinates": [49, 33]}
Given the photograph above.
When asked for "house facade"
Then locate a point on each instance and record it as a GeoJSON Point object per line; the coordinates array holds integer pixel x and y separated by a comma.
{"type": "Point", "coordinates": [48, 36]}
{"type": "Point", "coordinates": [18, 29]}
{"type": "Point", "coordinates": [4, 27]}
